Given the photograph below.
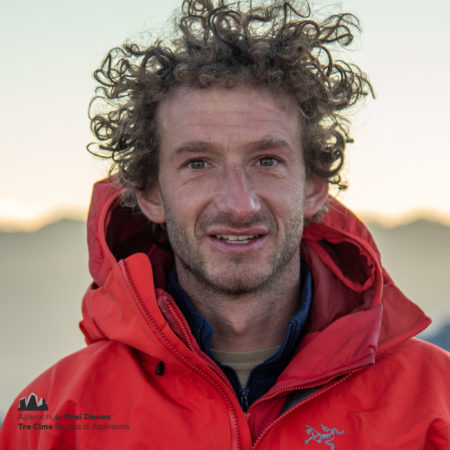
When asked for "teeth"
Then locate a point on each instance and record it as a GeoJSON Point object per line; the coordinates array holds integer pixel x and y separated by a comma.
{"type": "Point", "coordinates": [235, 239]}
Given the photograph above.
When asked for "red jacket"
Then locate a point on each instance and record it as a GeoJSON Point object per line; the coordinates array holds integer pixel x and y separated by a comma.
{"type": "Point", "coordinates": [358, 380]}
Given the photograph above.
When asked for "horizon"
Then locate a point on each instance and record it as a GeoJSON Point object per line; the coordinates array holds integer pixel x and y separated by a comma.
{"type": "Point", "coordinates": [13, 225]}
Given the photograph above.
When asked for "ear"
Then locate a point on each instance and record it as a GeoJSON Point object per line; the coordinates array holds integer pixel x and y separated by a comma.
{"type": "Point", "coordinates": [150, 202]}
{"type": "Point", "coordinates": [316, 194]}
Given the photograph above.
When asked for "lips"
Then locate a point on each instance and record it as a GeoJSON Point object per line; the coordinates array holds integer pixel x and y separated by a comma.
{"type": "Point", "coordinates": [237, 238]}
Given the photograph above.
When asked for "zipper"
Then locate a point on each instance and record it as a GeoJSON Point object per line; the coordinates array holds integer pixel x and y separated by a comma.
{"type": "Point", "coordinates": [243, 398]}
{"type": "Point", "coordinates": [193, 346]}
{"type": "Point", "coordinates": [235, 435]}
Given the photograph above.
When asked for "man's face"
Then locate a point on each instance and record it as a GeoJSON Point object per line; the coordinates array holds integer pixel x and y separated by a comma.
{"type": "Point", "coordinates": [231, 186]}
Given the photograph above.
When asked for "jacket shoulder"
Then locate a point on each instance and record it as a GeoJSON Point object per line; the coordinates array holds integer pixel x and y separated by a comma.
{"type": "Point", "coordinates": [418, 360]}
{"type": "Point", "coordinates": [418, 371]}
{"type": "Point", "coordinates": [422, 353]}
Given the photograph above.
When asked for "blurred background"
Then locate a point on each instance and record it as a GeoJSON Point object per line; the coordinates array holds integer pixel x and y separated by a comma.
{"type": "Point", "coordinates": [397, 168]}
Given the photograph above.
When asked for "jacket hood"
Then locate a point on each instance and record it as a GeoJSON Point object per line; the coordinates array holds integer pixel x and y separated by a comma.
{"type": "Point", "coordinates": [351, 288]}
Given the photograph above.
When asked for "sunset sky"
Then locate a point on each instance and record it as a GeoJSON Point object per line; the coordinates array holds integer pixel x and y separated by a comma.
{"type": "Point", "coordinates": [397, 168]}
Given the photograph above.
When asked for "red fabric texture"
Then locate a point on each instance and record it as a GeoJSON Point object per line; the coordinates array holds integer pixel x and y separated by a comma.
{"type": "Point", "coordinates": [367, 383]}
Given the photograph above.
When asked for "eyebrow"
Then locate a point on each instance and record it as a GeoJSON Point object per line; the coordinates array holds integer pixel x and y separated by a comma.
{"type": "Point", "coordinates": [190, 147]}
{"type": "Point", "coordinates": [263, 144]}
{"type": "Point", "coordinates": [268, 143]}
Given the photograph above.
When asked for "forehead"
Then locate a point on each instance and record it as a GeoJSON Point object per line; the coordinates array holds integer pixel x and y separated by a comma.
{"type": "Point", "coordinates": [238, 113]}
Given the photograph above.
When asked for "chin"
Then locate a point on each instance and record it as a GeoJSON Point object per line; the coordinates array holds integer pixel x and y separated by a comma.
{"type": "Point", "coordinates": [237, 285]}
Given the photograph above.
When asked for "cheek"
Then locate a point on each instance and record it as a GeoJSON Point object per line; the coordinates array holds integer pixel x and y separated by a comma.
{"type": "Point", "coordinates": [182, 212]}
{"type": "Point", "coordinates": [285, 196]}
{"type": "Point", "coordinates": [189, 199]}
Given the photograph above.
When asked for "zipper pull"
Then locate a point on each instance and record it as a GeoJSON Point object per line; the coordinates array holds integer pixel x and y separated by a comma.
{"type": "Point", "coordinates": [243, 400]}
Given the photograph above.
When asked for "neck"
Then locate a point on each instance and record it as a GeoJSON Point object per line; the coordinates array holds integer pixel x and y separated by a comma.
{"type": "Point", "coordinates": [252, 321]}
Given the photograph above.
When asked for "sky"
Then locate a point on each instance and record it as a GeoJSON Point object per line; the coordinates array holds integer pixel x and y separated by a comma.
{"type": "Point", "coordinates": [396, 169]}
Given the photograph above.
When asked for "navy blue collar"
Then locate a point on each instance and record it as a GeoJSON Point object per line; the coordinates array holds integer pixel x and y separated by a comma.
{"type": "Point", "coordinates": [263, 376]}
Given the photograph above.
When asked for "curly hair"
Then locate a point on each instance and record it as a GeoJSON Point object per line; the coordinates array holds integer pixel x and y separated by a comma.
{"type": "Point", "coordinates": [217, 43]}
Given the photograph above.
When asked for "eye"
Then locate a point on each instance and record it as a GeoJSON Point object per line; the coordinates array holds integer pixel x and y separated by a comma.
{"type": "Point", "coordinates": [267, 161]}
{"type": "Point", "coordinates": [196, 164]}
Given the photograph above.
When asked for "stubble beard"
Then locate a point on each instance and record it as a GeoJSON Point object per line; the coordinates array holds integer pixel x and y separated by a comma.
{"type": "Point", "coordinates": [190, 259]}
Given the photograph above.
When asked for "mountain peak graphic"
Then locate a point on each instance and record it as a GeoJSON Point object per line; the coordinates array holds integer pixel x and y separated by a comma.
{"type": "Point", "coordinates": [32, 404]}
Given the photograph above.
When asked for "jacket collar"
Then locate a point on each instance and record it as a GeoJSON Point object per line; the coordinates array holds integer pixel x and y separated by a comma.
{"type": "Point", "coordinates": [357, 311]}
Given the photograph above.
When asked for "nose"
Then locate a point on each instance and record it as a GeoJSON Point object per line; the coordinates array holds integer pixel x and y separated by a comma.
{"type": "Point", "coordinates": [237, 197]}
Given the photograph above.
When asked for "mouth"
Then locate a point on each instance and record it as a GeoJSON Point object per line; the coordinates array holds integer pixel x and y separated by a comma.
{"type": "Point", "coordinates": [230, 242]}
{"type": "Point", "coordinates": [237, 238]}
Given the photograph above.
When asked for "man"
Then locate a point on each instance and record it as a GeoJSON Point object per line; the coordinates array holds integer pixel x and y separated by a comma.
{"type": "Point", "coordinates": [234, 304]}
